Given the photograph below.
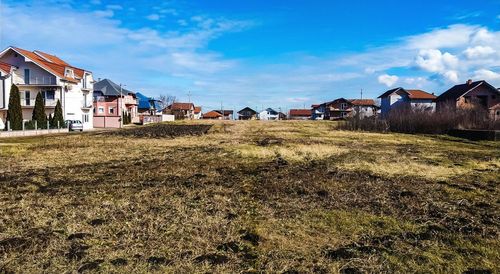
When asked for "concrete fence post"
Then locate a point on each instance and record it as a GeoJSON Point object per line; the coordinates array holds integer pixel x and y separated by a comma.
{"type": "Point", "coordinates": [24, 128]}
{"type": "Point", "coordinates": [48, 126]}
{"type": "Point", "coordinates": [58, 127]}
{"type": "Point", "coordinates": [36, 126]}
{"type": "Point", "coordinates": [8, 126]}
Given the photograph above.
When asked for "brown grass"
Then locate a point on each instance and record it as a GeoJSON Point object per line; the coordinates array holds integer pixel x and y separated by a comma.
{"type": "Point", "coordinates": [249, 196]}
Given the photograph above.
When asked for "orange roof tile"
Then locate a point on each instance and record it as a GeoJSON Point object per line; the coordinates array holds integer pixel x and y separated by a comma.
{"type": "Point", "coordinates": [362, 102]}
{"type": "Point", "coordinates": [420, 94]}
{"type": "Point", "coordinates": [51, 63]}
{"type": "Point", "coordinates": [181, 106]}
{"type": "Point", "coordinates": [197, 110]}
{"type": "Point", "coordinates": [5, 67]}
{"type": "Point", "coordinates": [212, 115]}
{"type": "Point", "coordinates": [300, 112]}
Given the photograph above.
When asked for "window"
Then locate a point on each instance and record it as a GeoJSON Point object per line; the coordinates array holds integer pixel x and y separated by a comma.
{"type": "Point", "coordinates": [85, 104]}
{"type": "Point", "coordinates": [84, 81]}
{"type": "Point", "coordinates": [27, 98]}
{"type": "Point", "coordinates": [68, 73]}
{"type": "Point", "coordinates": [343, 106]}
{"type": "Point", "coordinates": [26, 76]}
{"type": "Point", "coordinates": [85, 118]}
{"type": "Point", "coordinates": [111, 110]}
{"type": "Point", "coordinates": [49, 94]}
{"type": "Point", "coordinates": [101, 110]}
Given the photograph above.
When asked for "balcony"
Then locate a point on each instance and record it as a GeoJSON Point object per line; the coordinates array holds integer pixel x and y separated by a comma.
{"type": "Point", "coordinates": [40, 81]}
{"type": "Point", "coordinates": [86, 104]}
{"type": "Point", "coordinates": [31, 102]}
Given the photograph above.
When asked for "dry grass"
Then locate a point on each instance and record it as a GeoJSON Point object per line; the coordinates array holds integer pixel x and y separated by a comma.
{"type": "Point", "coordinates": [249, 196]}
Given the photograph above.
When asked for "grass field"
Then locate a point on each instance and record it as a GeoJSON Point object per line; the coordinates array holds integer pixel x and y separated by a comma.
{"type": "Point", "coordinates": [249, 197]}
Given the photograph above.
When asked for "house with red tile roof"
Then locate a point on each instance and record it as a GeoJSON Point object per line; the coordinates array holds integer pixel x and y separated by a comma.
{"type": "Point", "coordinates": [478, 94]}
{"type": "Point", "coordinates": [342, 108]}
{"type": "Point", "coordinates": [400, 98]}
{"type": "Point", "coordinates": [299, 114]}
{"type": "Point", "coordinates": [181, 111]}
{"type": "Point", "coordinates": [197, 112]}
{"type": "Point", "coordinates": [212, 115]}
{"type": "Point", "coordinates": [38, 72]}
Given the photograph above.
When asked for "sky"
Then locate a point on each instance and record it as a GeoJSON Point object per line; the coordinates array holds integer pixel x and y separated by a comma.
{"type": "Point", "coordinates": [265, 53]}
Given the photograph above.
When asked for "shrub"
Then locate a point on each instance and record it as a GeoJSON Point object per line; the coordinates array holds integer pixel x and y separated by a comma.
{"type": "Point", "coordinates": [58, 116]}
{"type": "Point", "coordinates": [417, 120]}
{"type": "Point", "coordinates": [15, 113]}
{"type": "Point", "coordinates": [39, 112]}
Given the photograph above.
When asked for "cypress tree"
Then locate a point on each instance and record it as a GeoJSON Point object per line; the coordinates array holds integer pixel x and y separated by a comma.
{"type": "Point", "coordinates": [15, 113]}
{"type": "Point", "coordinates": [129, 118]}
{"type": "Point", "coordinates": [51, 121]}
{"type": "Point", "coordinates": [58, 115]}
{"type": "Point", "coordinates": [39, 112]}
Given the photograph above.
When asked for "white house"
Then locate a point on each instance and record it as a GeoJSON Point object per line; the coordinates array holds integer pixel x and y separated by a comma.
{"type": "Point", "coordinates": [400, 97]}
{"type": "Point", "coordinates": [269, 114]}
{"type": "Point", "coordinates": [37, 71]}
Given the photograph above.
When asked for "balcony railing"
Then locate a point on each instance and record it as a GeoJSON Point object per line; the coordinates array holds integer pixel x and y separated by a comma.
{"type": "Point", "coordinates": [31, 102]}
{"type": "Point", "coordinates": [86, 104]}
{"type": "Point", "coordinates": [44, 80]}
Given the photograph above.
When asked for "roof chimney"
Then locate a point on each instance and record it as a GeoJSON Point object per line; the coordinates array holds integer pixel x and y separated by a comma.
{"type": "Point", "coordinates": [469, 82]}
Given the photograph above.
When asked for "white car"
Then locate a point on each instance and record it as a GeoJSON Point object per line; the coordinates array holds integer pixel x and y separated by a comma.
{"type": "Point", "coordinates": [74, 125]}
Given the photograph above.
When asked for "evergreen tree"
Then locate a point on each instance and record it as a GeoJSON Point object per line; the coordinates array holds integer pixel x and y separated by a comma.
{"type": "Point", "coordinates": [39, 112]}
{"type": "Point", "coordinates": [129, 118]}
{"type": "Point", "coordinates": [51, 120]}
{"type": "Point", "coordinates": [15, 113]}
{"type": "Point", "coordinates": [58, 115]}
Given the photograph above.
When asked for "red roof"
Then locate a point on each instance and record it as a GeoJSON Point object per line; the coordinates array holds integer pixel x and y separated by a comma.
{"type": "Point", "coordinates": [315, 106]}
{"type": "Point", "coordinates": [51, 63]}
{"type": "Point", "coordinates": [5, 67]}
{"type": "Point", "coordinates": [212, 115]}
{"type": "Point", "coordinates": [197, 110]}
{"type": "Point", "coordinates": [420, 94]}
{"type": "Point", "coordinates": [182, 106]}
{"type": "Point", "coordinates": [300, 112]}
{"type": "Point", "coordinates": [362, 102]}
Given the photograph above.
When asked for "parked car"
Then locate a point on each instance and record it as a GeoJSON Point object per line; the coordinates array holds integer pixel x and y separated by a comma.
{"type": "Point", "coordinates": [74, 125]}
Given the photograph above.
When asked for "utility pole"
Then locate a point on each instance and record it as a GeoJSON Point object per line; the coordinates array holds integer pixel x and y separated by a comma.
{"type": "Point", "coordinates": [361, 94]}
{"type": "Point", "coordinates": [189, 96]}
{"type": "Point", "coordinates": [222, 110]}
{"type": "Point", "coordinates": [119, 110]}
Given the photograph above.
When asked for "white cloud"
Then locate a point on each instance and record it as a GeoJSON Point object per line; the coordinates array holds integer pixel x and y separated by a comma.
{"type": "Point", "coordinates": [95, 2]}
{"type": "Point", "coordinates": [484, 74]}
{"type": "Point", "coordinates": [433, 60]}
{"type": "Point", "coordinates": [388, 80]}
{"type": "Point", "coordinates": [153, 17]}
{"type": "Point", "coordinates": [451, 76]}
{"type": "Point", "coordinates": [182, 22]}
{"type": "Point", "coordinates": [478, 52]}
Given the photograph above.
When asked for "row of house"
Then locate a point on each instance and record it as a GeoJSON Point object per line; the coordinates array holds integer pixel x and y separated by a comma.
{"type": "Point", "coordinates": [104, 103]}
{"type": "Point", "coordinates": [96, 104]}
{"type": "Point", "coordinates": [470, 94]}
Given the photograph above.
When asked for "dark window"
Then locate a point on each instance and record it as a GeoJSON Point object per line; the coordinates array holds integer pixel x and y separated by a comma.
{"type": "Point", "coordinates": [26, 76]}
{"type": "Point", "coordinates": [27, 98]}
{"type": "Point", "coordinates": [49, 94]}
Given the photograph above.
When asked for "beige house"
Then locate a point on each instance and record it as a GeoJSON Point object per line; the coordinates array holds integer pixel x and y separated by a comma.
{"type": "Point", "coordinates": [39, 72]}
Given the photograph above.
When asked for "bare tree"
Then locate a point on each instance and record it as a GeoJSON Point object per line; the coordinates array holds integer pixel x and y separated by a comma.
{"type": "Point", "coordinates": [166, 100]}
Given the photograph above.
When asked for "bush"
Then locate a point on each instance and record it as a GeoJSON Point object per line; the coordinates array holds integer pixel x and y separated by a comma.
{"type": "Point", "coordinates": [15, 113]}
{"type": "Point", "coordinates": [407, 120]}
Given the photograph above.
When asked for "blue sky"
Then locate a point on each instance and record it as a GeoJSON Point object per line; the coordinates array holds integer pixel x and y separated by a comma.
{"type": "Point", "coordinates": [281, 54]}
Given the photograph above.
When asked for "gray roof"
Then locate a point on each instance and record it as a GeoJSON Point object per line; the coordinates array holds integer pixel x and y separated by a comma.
{"type": "Point", "coordinates": [109, 88]}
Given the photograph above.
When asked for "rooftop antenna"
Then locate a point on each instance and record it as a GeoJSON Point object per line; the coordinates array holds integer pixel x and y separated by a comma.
{"type": "Point", "coordinates": [361, 94]}
{"type": "Point", "coordinates": [189, 96]}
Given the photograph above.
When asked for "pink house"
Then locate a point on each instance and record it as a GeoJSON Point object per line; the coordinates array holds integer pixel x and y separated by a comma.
{"type": "Point", "coordinates": [111, 101]}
